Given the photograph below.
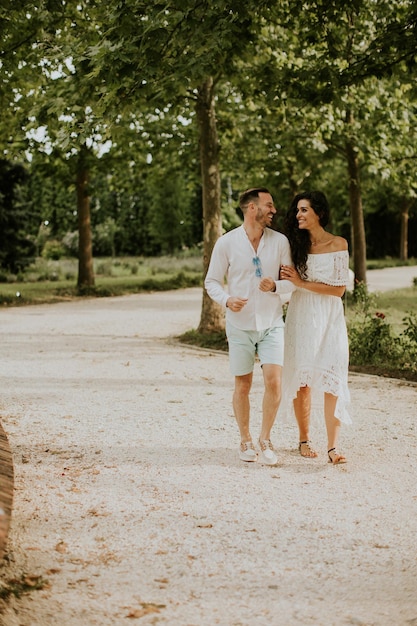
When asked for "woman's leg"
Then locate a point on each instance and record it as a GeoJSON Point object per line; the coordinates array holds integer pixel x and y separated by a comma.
{"type": "Point", "coordinates": [333, 429]}
{"type": "Point", "coordinates": [302, 408]}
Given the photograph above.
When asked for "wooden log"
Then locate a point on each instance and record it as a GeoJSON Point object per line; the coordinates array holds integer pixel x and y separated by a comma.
{"type": "Point", "coordinates": [6, 489]}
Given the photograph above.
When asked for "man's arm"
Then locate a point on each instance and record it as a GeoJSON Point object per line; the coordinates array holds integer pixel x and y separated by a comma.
{"type": "Point", "coordinates": [214, 281]}
{"type": "Point", "coordinates": [283, 286]}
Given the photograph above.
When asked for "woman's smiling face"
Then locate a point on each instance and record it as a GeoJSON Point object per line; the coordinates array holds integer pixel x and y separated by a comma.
{"type": "Point", "coordinates": [306, 216]}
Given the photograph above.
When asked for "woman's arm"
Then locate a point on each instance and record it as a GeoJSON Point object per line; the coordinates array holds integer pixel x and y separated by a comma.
{"type": "Point", "coordinates": [291, 274]}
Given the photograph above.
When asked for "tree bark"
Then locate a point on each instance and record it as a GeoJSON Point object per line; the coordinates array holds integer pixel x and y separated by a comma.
{"type": "Point", "coordinates": [356, 211]}
{"type": "Point", "coordinates": [212, 314]}
{"type": "Point", "coordinates": [405, 210]}
{"type": "Point", "coordinates": [85, 246]}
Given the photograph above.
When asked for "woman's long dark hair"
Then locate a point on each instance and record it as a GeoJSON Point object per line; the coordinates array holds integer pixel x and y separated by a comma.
{"type": "Point", "coordinates": [299, 238]}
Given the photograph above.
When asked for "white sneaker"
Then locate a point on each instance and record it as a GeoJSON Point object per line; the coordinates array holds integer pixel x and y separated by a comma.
{"type": "Point", "coordinates": [268, 456]}
{"type": "Point", "coordinates": [247, 452]}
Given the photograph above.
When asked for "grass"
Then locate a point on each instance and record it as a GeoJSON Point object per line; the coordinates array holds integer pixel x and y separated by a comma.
{"type": "Point", "coordinates": [379, 264]}
{"type": "Point", "coordinates": [55, 281]}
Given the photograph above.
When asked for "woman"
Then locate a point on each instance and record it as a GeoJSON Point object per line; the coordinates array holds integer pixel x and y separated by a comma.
{"type": "Point", "coordinates": [316, 355]}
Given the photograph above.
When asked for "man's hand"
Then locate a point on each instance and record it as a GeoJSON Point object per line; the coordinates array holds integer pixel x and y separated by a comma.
{"type": "Point", "coordinates": [236, 304]}
{"type": "Point", "coordinates": [267, 284]}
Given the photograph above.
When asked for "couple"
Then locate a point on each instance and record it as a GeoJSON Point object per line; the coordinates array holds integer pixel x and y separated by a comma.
{"type": "Point", "coordinates": [260, 264]}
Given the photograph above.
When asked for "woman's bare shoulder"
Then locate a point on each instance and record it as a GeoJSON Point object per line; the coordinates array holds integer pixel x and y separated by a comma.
{"type": "Point", "coordinates": [338, 244]}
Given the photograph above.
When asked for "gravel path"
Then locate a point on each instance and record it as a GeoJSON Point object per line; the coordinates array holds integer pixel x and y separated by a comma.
{"type": "Point", "coordinates": [131, 502]}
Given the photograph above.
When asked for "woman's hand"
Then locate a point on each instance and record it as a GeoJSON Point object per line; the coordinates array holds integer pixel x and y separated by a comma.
{"type": "Point", "coordinates": [290, 273]}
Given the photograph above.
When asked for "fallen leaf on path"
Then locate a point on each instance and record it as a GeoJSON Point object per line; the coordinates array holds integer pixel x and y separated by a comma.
{"type": "Point", "coordinates": [31, 580]}
{"type": "Point", "coordinates": [61, 547]}
{"type": "Point", "coordinates": [145, 609]}
{"type": "Point", "coordinates": [95, 513]}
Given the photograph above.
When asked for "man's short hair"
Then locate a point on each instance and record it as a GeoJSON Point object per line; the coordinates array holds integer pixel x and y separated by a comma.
{"type": "Point", "coordinates": [250, 195]}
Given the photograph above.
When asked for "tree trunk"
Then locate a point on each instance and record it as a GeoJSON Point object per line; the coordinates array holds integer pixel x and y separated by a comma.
{"type": "Point", "coordinates": [85, 247]}
{"type": "Point", "coordinates": [356, 211]}
{"type": "Point", "coordinates": [212, 315]}
{"type": "Point", "coordinates": [405, 209]}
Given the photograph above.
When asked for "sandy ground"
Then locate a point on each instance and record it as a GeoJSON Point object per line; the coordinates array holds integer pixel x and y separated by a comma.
{"type": "Point", "coordinates": [130, 500]}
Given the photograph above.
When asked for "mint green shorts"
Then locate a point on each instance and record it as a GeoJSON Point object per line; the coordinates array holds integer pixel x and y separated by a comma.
{"type": "Point", "coordinates": [244, 345]}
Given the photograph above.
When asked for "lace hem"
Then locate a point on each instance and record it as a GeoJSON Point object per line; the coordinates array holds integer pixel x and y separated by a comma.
{"type": "Point", "coordinates": [319, 383]}
{"type": "Point", "coordinates": [332, 282]}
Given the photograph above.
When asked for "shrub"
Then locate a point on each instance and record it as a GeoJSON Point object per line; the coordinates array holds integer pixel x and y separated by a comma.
{"type": "Point", "coordinates": [371, 340]}
{"type": "Point", "coordinates": [410, 331]}
{"type": "Point", "coordinates": [70, 243]}
{"type": "Point", "coordinates": [407, 343]}
{"type": "Point", "coordinates": [53, 249]}
{"type": "Point", "coordinates": [373, 343]}
{"type": "Point", "coordinates": [105, 268]}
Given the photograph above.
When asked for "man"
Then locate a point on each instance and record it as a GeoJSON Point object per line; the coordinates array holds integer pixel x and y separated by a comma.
{"type": "Point", "coordinates": [250, 257]}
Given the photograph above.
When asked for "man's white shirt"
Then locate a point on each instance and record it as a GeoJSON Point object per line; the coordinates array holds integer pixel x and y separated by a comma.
{"type": "Point", "coordinates": [234, 259]}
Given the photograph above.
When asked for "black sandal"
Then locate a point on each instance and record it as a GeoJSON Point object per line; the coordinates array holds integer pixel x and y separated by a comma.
{"type": "Point", "coordinates": [340, 460]}
{"type": "Point", "coordinates": [307, 443]}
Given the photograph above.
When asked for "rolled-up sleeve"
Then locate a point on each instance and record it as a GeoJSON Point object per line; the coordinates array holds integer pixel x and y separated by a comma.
{"type": "Point", "coordinates": [284, 286]}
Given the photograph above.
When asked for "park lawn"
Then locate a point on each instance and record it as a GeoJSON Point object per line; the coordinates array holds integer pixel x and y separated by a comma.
{"type": "Point", "coordinates": [43, 292]}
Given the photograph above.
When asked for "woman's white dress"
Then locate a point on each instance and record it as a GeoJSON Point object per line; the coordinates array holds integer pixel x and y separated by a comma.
{"type": "Point", "coordinates": [316, 343]}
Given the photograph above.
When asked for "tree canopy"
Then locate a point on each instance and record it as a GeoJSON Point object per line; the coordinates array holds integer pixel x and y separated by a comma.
{"type": "Point", "coordinates": [160, 113]}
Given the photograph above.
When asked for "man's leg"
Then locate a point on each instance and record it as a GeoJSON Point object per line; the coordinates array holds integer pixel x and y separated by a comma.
{"type": "Point", "coordinates": [241, 408]}
{"type": "Point", "coordinates": [241, 405]}
{"type": "Point", "coordinates": [271, 399]}
{"type": "Point", "coordinates": [242, 359]}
